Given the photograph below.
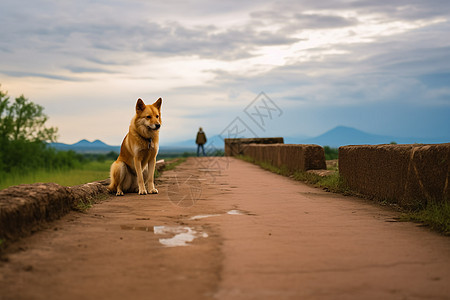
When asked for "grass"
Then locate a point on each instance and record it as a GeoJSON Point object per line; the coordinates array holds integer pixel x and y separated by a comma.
{"type": "Point", "coordinates": [172, 163]}
{"type": "Point", "coordinates": [434, 215]}
{"type": "Point", "coordinates": [88, 172]}
{"type": "Point", "coordinates": [82, 205]}
{"type": "Point", "coordinates": [333, 183]}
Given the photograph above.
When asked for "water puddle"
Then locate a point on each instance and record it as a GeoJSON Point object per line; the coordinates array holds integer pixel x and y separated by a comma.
{"type": "Point", "coordinates": [230, 212]}
{"type": "Point", "coordinates": [235, 212]}
{"type": "Point", "coordinates": [204, 216]}
{"type": "Point", "coordinates": [182, 235]}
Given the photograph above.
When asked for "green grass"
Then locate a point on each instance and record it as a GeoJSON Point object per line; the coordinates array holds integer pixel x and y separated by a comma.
{"type": "Point", "coordinates": [333, 183]}
{"type": "Point", "coordinates": [88, 172]}
{"type": "Point", "coordinates": [83, 205]}
{"type": "Point", "coordinates": [435, 215]}
{"type": "Point", "coordinates": [172, 163]}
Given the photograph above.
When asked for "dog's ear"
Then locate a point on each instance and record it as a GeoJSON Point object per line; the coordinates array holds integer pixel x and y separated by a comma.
{"type": "Point", "coordinates": [158, 103]}
{"type": "Point", "coordinates": [140, 105]}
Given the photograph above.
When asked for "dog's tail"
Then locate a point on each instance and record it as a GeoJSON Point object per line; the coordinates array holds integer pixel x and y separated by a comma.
{"type": "Point", "coordinates": [114, 175]}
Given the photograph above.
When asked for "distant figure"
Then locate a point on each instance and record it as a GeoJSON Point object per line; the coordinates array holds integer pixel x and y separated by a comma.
{"type": "Point", "coordinates": [200, 141]}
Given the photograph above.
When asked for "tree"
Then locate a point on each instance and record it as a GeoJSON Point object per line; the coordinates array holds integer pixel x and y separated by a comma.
{"type": "Point", "coordinates": [5, 118]}
{"type": "Point", "coordinates": [23, 120]}
{"type": "Point", "coordinates": [23, 137]}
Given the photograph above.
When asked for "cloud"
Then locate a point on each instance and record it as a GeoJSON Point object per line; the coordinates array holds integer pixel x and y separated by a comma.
{"type": "Point", "coordinates": [293, 21]}
{"type": "Point", "coordinates": [20, 74]}
{"type": "Point", "coordinates": [80, 69]}
{"type": "Point", "coordinates": [214, 55]}
{"type": "Point", "coordinates": [92, 34]}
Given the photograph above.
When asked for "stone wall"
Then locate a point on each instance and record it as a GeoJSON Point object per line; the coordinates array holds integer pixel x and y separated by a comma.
{"type": "Point", "coordinates": [409, 175]}
{"type": "Point", "coordinates": [235, 147]}
{"type": "Point", "coordinates": [290, 156]}
{"type": "Point", "coordinates": [24, 208]}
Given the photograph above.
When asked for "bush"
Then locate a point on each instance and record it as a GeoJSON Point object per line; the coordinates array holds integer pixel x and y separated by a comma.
{"type": "Point", "coordinates": [331, 153]}
{"type": "Point", "coordinates": [24, 136]}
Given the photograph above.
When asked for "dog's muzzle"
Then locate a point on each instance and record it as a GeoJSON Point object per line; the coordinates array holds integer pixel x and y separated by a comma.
{"type": "Point", "coordinates": [154, 126]}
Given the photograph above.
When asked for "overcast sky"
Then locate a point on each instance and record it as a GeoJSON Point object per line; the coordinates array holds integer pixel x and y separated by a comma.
{"type": "Point", "coordinates": [379, 66]}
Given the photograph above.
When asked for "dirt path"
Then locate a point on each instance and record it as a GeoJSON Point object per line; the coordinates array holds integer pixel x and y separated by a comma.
{"type": "Point", "coordinates": [249, 234]}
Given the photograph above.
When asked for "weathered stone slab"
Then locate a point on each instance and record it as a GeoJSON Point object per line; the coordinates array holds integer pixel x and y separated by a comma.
{"type": "Point", "coordinates": [290, 156]}
{"type": "Point", "coordinates": [410, 175]}
{"type": "Point", "coordinates": [235, 147]}
{"type": "Point", "coordinates": [24, 208]}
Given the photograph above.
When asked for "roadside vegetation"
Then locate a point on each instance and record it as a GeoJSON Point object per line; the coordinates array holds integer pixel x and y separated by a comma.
{"type": "Point", "coordinates": [332, 183]}
{"type": "Point", "coordinates": [173, 163]}
{"type": "Point", "coordinates": [24, 138]}
{"type": "Point", "coordinates": [91, 168]}
{"type": "Point", "coordinates": [25, 156]}
{"type": "Point", "coordinates": [436, 216]}
{"type": "Point", "coordinates": [82, 173]}
{"type": "Point", "coordinates": [331, 153]}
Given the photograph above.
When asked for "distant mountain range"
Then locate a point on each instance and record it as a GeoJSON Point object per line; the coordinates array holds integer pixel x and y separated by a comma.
{"type": "Point", "coordinates": [341, 136]}
{"type": "Point", "coordinates": [336, 137]}
{"type": "Point", "coordinates": [99, 147]}
{"type": "Point", "coordinates": [84, 146]}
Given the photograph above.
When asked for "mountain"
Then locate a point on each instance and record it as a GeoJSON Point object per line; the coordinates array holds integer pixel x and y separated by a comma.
{"type": "Point", "coordinates": [341, 136]}
{"type": "Point", "coordinates": [336, 137]}
{"type": "Point", "coordinates": [99, 147]}
{"type": "Point", "coordinates": [84, 146]}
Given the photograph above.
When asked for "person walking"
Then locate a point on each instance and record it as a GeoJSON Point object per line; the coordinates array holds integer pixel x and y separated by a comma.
{"type": "Point", "coordinates": [200, 141]}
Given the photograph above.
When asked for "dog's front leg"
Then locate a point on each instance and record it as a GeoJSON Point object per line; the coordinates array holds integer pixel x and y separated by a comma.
{"type": "Point", "coordinates": [140, 177]}
{"type": "Point", "coordinates": [151, 176]}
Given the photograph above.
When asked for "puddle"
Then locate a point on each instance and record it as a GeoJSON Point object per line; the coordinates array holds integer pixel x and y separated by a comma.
{"type": "Point", "coordinates": [180, 235]}
{"type": "Point", "coordinates": [183, 235]}
{"type": "Point", "coordinates": [230, 212]}
{"type": "Point", "coordinates": [203, 216]}
{"type": "Point", "coordinates": [235, 212]}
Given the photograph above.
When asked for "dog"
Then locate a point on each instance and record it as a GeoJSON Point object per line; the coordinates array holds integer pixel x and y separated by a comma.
{"type": "Point", "coordinates": [134, 169]}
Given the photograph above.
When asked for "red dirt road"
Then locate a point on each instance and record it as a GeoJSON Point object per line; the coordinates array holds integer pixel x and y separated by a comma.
{"type": "Point", "coordinates": [241, 233]}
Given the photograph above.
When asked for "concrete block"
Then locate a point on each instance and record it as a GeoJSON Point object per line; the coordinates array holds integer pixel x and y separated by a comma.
{"type": "Point", "coordinates": [410, 175]}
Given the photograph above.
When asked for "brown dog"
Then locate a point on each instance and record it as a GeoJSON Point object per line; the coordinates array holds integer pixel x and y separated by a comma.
{"type": "Point", "coordinates": [134, 169]}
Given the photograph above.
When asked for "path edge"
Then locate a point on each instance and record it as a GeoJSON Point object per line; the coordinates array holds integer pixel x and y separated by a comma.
{"type": "Point", "coordinates": [27, 208]}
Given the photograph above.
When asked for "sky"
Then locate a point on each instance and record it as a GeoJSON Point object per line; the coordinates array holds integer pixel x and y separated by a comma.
{"type": "Point", "coordinates": [255, 68]}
